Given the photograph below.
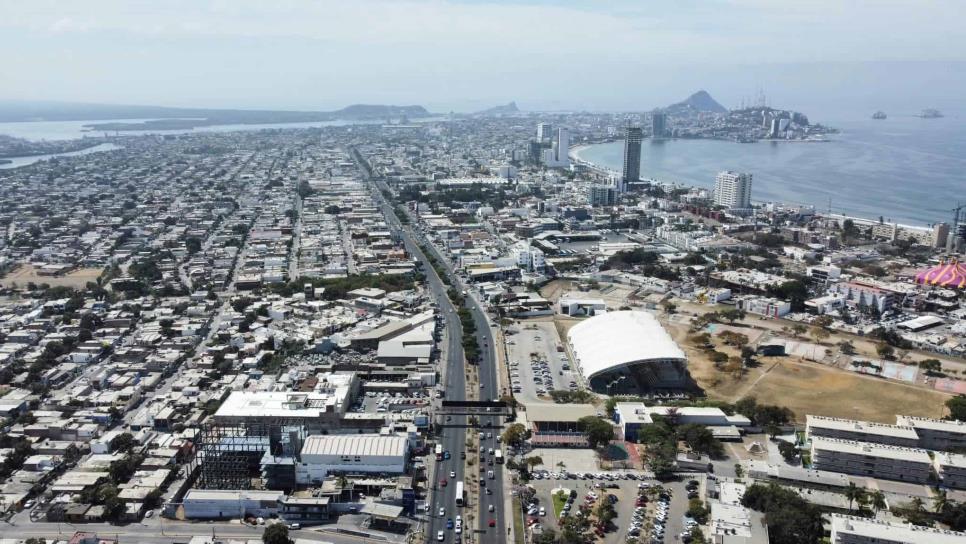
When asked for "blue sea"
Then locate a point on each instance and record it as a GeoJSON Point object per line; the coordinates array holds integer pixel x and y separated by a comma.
{"type": "Point", "coordinates": [905, 169]}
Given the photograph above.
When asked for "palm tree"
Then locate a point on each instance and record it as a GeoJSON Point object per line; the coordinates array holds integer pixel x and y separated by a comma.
{"type": "Point", "coordinates": [878, 500]}
{"type": "Point", "coordinates": [940, 502]}
{"type": "Point", "coordinates": [917, 504]}
{"type": "Point", "coordinates": [853, 493]}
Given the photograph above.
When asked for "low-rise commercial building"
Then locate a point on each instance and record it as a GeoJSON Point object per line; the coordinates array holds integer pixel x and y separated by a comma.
{"type": "Point", "coordinates": [634, 416]}
{"type": "Point", "coordinates": [220, 504]}
{"type": "Point", "coordinates": [322, 455]}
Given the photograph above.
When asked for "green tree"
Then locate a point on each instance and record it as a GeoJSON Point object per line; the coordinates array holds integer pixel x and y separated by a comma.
{"type": "Point", "coordinates": [877, 499]}
{"type": "Point", "coordinates": [819, 334]}
{"type": "Point", "coordinates": [732, 314]}
{"type": "Point", "coordinates": [514, 434]}
{"type": "Point", "coordinates": [940, 502]}
{"type": "Point", "coordinates": [697, 511]}
{"type": "Point", "coordinates": [123, 443]}
{"type": "Point", "coordinates": [957, 408]}
{"type": "Point", "coordinates": [533, 461]}
{"type": "Point", "coordinates": [790, 519]}
{"type": "Point", "coordinates": [787, 450]}
{"type": "Point", "coordinates": [932, 366]}
{"type": "Point", "coordinates": [700, 439]}
{"type": "Point", "coordinates": [597, 430]}
{"type": "Point", "coordinates": [276, 533]}
{"type": "Point", "coordinates": [610, 405]}
{"type": "Point", "coordinates": [846, 347]}
{"type": "Point", "coordinates": [854, 493]}
{"type": "Point", "coordinates": [885, 351]}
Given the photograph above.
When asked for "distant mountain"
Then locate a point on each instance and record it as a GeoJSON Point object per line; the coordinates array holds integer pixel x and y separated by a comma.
{"type": "Point", "coordinates": [505, 109]}
{"type": "Point", "coordinates": [17, 111]}
{"type": "Point", "coordinates": [369, 111]}
{"type": "Point", "coordinates": [700, 101]}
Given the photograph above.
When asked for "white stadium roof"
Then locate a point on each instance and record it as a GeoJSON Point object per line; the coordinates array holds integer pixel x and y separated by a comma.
{"type": "Point", "coordinates": [615, 339]}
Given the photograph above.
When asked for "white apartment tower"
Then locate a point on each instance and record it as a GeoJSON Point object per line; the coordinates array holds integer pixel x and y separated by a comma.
{"type": "Point", "coordinates": [544, 132]}
{"type": "Point", "coordinates": [733, 190]}
{"type": "Point", "coordinates": [563, 146]}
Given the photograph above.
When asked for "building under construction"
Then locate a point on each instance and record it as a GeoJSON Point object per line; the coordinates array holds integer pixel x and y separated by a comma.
{"type": "Point", "coordinates": [254, 454]}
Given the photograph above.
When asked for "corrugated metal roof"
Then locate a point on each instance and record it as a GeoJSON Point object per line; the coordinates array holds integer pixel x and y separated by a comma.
{"type": "Point", "coordinates": [354, 445]}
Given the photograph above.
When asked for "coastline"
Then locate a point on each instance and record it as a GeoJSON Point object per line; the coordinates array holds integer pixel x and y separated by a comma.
{"type": "Point", "coordinates": [575, 151]}
{"type": "Point", "coordinates": [89, 144]}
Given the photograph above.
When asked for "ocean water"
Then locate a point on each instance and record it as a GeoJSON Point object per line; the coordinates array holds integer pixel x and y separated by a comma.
{"type": "Point", "coordinates": [905, 169]}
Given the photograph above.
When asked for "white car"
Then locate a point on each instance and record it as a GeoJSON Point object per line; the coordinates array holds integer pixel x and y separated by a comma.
{"type": "Point", "coordinates": [442, 512]}
{"type": "Point", "coordinates": [452, 474]}
{"type": "Point", "coordinates": [440, 536]}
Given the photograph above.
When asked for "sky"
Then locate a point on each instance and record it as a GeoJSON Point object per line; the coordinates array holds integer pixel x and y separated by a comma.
{"type": "Point", "coordinates": [452, 55]}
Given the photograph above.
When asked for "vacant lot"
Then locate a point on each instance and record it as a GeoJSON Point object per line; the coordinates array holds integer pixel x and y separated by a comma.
{"type": "Point", "coordinates": [808, 388]}
{"type": "Point", "coordinates": [25, 274]}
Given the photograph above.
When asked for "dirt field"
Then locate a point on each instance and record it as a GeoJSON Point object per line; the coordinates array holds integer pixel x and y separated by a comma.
{"type": "Point", "coordinates": [808, 388]}
{"type": "Point", "coordinates": [23, 275]}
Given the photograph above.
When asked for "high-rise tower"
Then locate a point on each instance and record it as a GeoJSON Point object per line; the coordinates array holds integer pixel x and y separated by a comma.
{"type": "Point", "coordinates": [632, 156]}
{"type": "Point", "coordinates": [733, 190]}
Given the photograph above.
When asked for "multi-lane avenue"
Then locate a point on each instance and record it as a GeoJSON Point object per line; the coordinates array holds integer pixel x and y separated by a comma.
{"type": "Point", "coordinates": [452, 432]}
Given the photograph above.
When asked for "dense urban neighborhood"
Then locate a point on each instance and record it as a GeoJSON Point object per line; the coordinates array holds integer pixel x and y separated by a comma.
{"type": "Point", "coordinates": [454, 329]}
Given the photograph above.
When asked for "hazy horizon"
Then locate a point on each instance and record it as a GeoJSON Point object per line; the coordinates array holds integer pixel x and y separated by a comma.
{"type": "Point", "coordinates": [469, 55]}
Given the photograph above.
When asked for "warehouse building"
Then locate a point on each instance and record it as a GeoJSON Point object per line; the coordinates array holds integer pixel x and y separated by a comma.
{"type": "Point", "coordinates": [233, 504]}
{"type": "Point", "coordinates": [627, 352]}
{"type": "Point", "coordinates": [868, 459]}
{"type": "Point", "coordinates": [351, 454]}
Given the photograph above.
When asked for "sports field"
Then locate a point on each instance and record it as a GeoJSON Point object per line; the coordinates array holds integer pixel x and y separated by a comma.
{"type": "Point", "coordinates": [25, 274]}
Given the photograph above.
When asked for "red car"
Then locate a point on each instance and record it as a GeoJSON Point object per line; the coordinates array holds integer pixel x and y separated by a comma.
{"type": "Point", "coordinates": [443, 482]}
{"type": "Point", "coordinates": [492, 523]}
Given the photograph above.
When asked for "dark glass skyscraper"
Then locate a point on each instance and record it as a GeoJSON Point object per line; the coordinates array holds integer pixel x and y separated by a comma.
{"type": "Point", "coordinates": [658, 124]}
{"type": "Point", "coordinates": [632, 155]}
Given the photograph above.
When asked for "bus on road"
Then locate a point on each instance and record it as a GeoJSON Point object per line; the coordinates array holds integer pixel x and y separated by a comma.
{"type": "Point", "coordinates": [498, 456]}
{"type": "Point", "coordinates": [459, 493]}
{"type": "Point", "coordinates": [439, 452]}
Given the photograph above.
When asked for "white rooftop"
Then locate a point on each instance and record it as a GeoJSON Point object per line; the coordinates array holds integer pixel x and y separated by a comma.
{"type": "Point", "coordinates": [617, 339]}
{"type": "Point", "coordinates": [354, 445]}
{"type": "Point", "coordinates": [865, 427]}
{"type": "Point", "coordinates": [883, 531]}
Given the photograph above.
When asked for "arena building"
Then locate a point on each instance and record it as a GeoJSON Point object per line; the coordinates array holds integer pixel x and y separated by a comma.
{"type": "Point", "coordinates": [628, 352]}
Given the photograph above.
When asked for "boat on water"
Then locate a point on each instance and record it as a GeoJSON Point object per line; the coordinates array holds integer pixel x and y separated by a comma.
{"type": "Point", "coordinates": [879, 115]}
{"type": "Point", "coordinates": [931, 113]}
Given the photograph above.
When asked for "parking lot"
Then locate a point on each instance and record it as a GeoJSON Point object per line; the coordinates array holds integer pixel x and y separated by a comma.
{"type": "Point", "coordinates": [656, 518]}
{"type": "Point", "coordinates": [538, 363]}
{"type": "Point", "coordinates": [382, 402]}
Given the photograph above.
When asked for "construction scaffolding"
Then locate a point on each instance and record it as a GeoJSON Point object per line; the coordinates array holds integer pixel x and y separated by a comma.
{"type": "Point", "coordinates": [231, 455]}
